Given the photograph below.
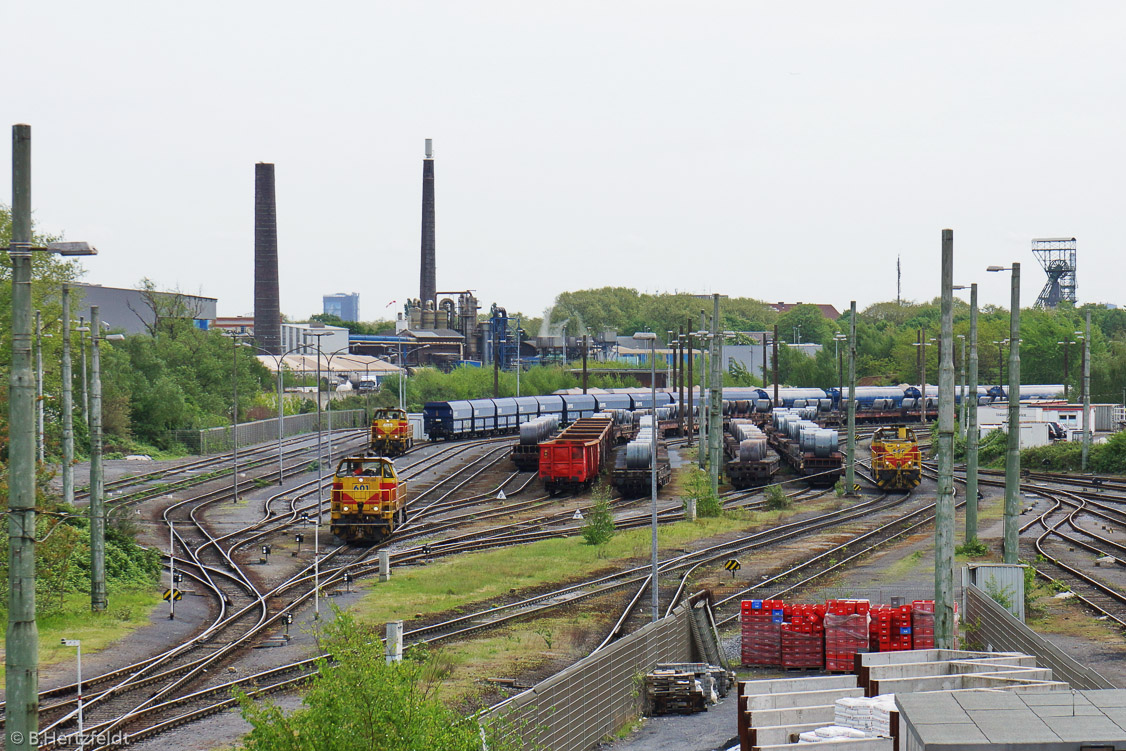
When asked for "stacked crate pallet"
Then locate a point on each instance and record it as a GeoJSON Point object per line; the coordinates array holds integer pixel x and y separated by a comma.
{"type": "Point", "coordinates": [922, 624]}
{"type": "Point", "coordinates": [890, 628]}
{"type": "Point", "coordinates": [762, 632]}
{"type": "Point", "coordinates": [803, 636]}
{"type": "Point", "coordinates": [673, 691]}
{"type": "Point", "coordinates": [846, 633]}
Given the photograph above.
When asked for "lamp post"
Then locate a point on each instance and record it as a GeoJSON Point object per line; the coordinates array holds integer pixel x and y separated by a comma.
{"type": "Point", "coordinates": [320, 474]}
{"type": "Point", "coordinates": [68, 405]}
{"type": "Point", "coordinates": [78, 644]}
{"type": "Point", "coordinates": [652, 338]}
{"type": "Point", "coordinates": [519, 367]}
{"type": "Point", "coordinates": [1012, 459]}
{"type": "Point", "coordinates": [1066, 375]}
{"type": "Point", "coordinates": [705, 396]}
{"type": "Point", "coordinates": [850, 447]}
{"type": "Point", "coordinates": [82, 329]}
{"type": "Point", "coordinates": [962, 390]}
{"type": "Point", "coordinates": [1001, 361]}
{"type": "Point", "coordinates": [41, 451]}
{"type": "Point", "coordinates": [971, 428]}
{"type": "Point", "coordinates": [922, 344]}
{"type": "Point", "coordinates": [837, 339]}
{"type": "Point", "coordinates": [98, 600]}
{"type": "Point", "coordinates": [1086, 392]}
{"type": "Point", "coordinates": [279, 361]}
{"type": "Point", "coordinates": [235, 343]}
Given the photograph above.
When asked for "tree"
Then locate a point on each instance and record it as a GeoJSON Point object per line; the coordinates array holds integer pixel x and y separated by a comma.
{"type": "Point", "coordinates": [360, 701]}
{"type": "Point", "coordinates": [170, 310]}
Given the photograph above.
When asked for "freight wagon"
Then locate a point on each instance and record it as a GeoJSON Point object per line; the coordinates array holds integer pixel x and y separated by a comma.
{"type": "Point", "coordinates": [811, 450]}
{"type": "Point", "coordinates": [632, 472]}
{"type": "Point", "coordinates": [575, 458]}
{"type": "Point", "coordinates": [750, 459]}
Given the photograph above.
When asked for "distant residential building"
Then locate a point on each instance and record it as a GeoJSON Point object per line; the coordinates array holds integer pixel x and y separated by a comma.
{"type": "Point", "coordinates": [828, 311]}
{"type": "Point", "coordinates": [135, 311]}
{"type": "Point", "coordinates": [344, 306]}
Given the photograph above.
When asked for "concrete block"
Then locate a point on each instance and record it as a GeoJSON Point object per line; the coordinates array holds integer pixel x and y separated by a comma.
{"type": "Point", "coordinates": [779, 735]}
{"type": "Point", "coordinates": [787, 685]}
{"type": "Point", "coordinates": [822, 715]}
{"type": "Point", "coordinates": [873, 744]}
{"type": "Point", "coordinates": [800, 698]}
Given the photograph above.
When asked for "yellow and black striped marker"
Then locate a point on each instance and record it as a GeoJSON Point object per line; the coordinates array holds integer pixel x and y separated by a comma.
{"type": "Point", "coordinates": [732, 565]}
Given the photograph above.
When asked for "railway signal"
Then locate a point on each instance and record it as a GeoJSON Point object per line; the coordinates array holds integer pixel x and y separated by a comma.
{"type": "Point", "coordinates": [172, 595]}
{"type": "Point", "coordinates": [299, 538]}
{"type": "Point", "coordinates": [288, 621]}
{"type": "Point", "coordinates": [347, 581]}
{"type": "Point", "coordinates": [265, 555]}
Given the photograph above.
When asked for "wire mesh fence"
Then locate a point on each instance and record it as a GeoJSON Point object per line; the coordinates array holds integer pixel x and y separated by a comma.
{"type": "Point", "coordinates": [218, 440]}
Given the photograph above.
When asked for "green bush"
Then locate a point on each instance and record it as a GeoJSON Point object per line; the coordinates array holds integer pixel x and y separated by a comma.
{"type": "Point", "coordinates": [698, 487]}
{"type": "Point", "coordinates": [359, 701]}
{"type": "Point", "coordinates": [598, 528]}
{"type": "Point", "coordinates": [776, 498]}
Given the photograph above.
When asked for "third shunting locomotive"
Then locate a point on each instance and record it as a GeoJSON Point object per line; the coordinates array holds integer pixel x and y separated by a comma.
{"type": "Point", "coordinates": [896, 460]}
{"type": "Point", "coordinates": [390, 432]}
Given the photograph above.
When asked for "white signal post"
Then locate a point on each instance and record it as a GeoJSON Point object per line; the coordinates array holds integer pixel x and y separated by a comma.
{"type": "Point", "coordinates": [171, 571]}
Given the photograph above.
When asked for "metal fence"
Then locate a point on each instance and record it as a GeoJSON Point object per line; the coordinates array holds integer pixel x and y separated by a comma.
{"type": "Point", "coordinates": [576, 708]}
{"type": "Point", "coordinates": [991, 627]}
{"type": "Point", "coordinates": [218, 440]}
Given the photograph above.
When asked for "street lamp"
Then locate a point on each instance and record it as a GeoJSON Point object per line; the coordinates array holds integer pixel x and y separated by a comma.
{"type": "Point", "coordinates": [652, 338]}
{"type": "Point", "coordinates": [962, 391]}
{"type": "Point", "coordinates": [1086, 337]}
{"type": "Point", "coordinates": [78, 644]}
{"type": "Point", "coordinates": [1066, 375]}
{"type": "Point", "coordinates": [279, 362]}
{"type": "Point", "coordinates": [97, 507]}
{"type": "Point", "coordinates": [317, 330]}
{"type": "Point", "coordinates": [837, 339]}
{"type": "Point", "coordinates": [22, 645]}
{"type": "Point", "coordinates": [1000, 361]}
{"type": "Point", "coordinates": [235, 344]}
{"type": "Point", "coordinates": [1012, 462]}
{"type": "Point", "coordinates": [922, 344]}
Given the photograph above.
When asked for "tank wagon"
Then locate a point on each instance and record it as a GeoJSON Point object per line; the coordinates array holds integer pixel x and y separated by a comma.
{"type": "Point", "coordinates": [750, 460]}
{"type": "Point", "coordinates": [811, 450]}
{"type": "Point", "coordinates": [526, 453]}
{"type": "Point", "coordinates": [632, 472]}
{"type": "Point", "coordinates": [575, 458]}
{"type": "Point", "coordinates": [896, 460]}
{"type": "Point", "coordinates": [368, 502]}
{"type": "Point", "coordinates": [391, 433]}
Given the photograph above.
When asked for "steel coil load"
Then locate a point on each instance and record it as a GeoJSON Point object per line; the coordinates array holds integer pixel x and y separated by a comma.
{"type": "Point", "coordinates": [825, 404]}
{"type": "Point", "coordinates": [664, 413]}
{"type": "Point", "coordinates": [806, 438]}
{"type": "Point", "coordinates": [798, 403]}
{"type": "Point", "coordinates": [752, 450]}
{"type": "Point", "coordinates": [534, 432]}
{"type": "Point", "coordinates": [762, 405]}
{"type": "Point", "coordinates": [645, 421]}
{"type": "Point", "coordinates": [826, 442]}
{"type": "Point", "coordinates": [638, 453]}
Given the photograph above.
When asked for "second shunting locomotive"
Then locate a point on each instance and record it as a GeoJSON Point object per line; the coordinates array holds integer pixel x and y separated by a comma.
{"type": "Point", "coordinates": [896, 460]}
{"type": "Point", "coordinates": [391, 432]}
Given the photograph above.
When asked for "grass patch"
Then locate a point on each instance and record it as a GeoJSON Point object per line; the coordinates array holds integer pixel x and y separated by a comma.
{"type": "Point", "coordinates": [128, 610]}
{"type": "Point", "coordinates": [511, 652]}
{"type": "Point", "coordinates": [454, 582]}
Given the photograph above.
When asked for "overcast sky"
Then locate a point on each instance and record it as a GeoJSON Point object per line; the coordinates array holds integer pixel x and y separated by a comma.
{"type": "Point", "coordinates": [783, 151]}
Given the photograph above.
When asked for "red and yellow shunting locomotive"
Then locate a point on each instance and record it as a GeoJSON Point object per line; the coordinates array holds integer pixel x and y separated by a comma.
{"type": "Point", "coordinates": [368, 501]}
{"type": "Point", "coordinates": [391, 433]}
{"type": "Point", "coordinates": [896, 460]}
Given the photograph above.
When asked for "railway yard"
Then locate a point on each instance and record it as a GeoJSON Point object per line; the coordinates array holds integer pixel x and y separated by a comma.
{"type": "Point", "coordinates": [250, 612]}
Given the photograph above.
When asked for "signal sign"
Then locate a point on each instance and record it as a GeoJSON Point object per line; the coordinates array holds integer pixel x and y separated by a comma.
{"type": "Point", "coordinates": [733, 565]}
{"type": "Point", "coordinates": [856, 487]}
{"type": "Point", "coordinates": [173, 594]}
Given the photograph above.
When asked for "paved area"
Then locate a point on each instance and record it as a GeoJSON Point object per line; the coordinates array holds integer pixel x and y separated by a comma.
{"type": "Point", "coordinates": [713, 730]}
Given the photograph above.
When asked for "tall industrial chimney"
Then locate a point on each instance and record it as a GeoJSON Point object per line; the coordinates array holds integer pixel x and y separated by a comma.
{"type": "Point", "coordinates": [267, 305]}
{"type": "Point", "coordinates": [429, 284]}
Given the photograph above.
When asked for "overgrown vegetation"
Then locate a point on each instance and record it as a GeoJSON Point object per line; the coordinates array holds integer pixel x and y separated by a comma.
{"type": "Point", "coordinates": [776, 498]}
{"type": "Point", "coordinates": [598, 527]}
{"type": "Point", "coordinates": [698, 488]}
{"type": "Point", "coordinates": [973, 549]}
{"type": "Point", "coordinates": [360, 701]}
